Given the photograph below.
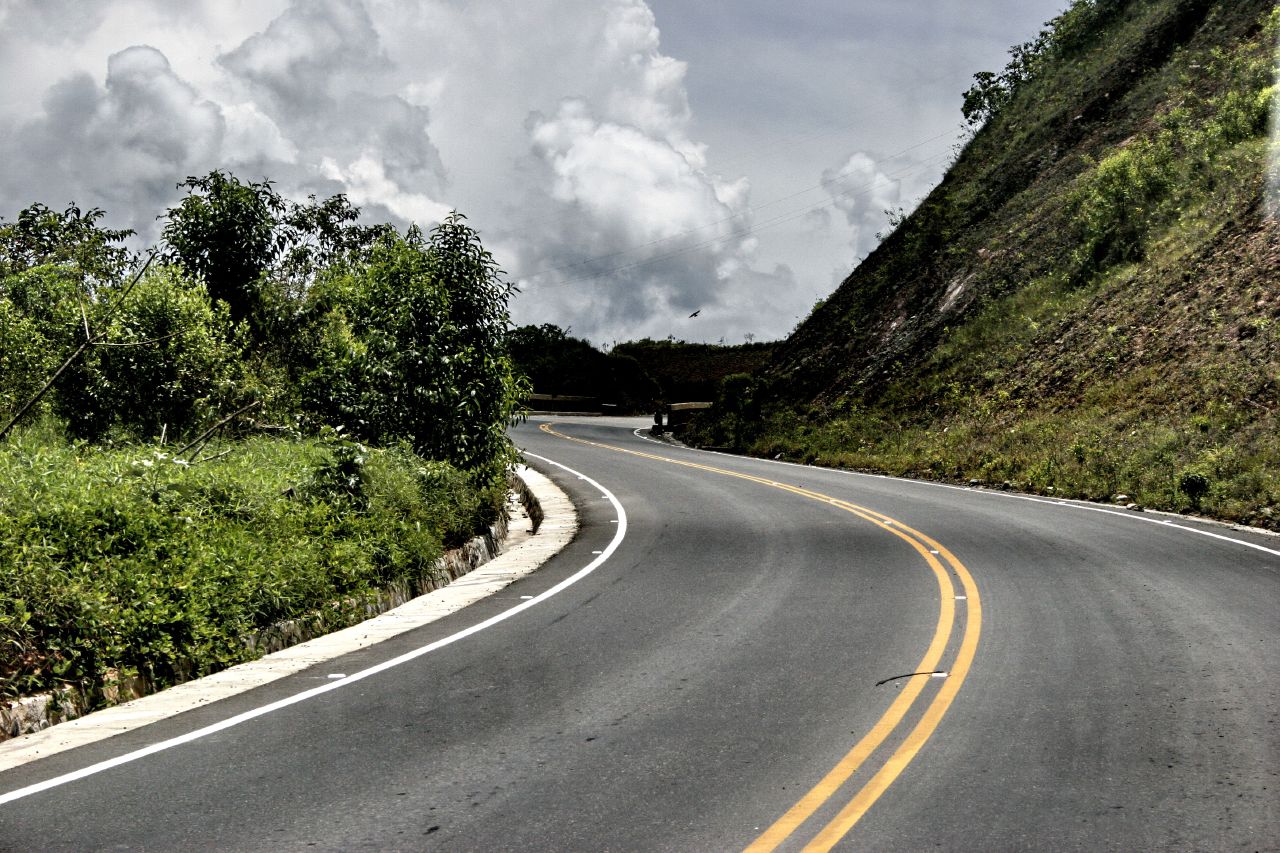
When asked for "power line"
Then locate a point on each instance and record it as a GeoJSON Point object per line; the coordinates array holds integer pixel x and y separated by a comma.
{"type": "Point", "coordinates": [863, 119]}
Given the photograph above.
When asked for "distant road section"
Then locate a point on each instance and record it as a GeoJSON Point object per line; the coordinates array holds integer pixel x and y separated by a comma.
{"type": "Point", "coordinates": [762, 656]}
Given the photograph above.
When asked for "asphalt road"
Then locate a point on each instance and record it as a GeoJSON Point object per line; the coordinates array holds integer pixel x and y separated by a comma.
{"type": "Point", "coordinates": [1088, 679]}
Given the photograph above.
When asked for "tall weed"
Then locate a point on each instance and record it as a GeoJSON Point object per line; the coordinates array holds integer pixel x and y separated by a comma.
{"type": "Point", "coordinates": [130, 560]}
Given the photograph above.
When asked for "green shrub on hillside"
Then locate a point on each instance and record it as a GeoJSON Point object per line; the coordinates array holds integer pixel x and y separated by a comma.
{"type": "Point", "coordinates": [1121, 200]}
{"type": "Point", "coordinates": [1144, 186]}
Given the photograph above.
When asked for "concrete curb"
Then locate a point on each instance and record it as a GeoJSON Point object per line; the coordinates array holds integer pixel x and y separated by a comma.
{"type": "Point", "coordinates": [521, 553]}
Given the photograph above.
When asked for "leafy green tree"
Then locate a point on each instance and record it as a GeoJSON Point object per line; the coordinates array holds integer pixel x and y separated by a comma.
{"type": "Point", "coordinates": [1068, 32]}
{"type": "Point", "coordinates": [71, 238]}
{"type": "Point", "coordinates": [325, 233]}
{"type": "Point", "coordinates": [412, 345]}
{"type": "Point", "coordinates": [227, 234]}
{"type": "Point", "coordinates": [259, 252]}
{"type": "Point", "coordinates": [983, 99]}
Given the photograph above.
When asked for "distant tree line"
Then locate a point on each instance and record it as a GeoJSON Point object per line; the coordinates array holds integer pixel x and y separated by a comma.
{"type": "Point", "coordinates": [634, 376]}
{"type": "Point", "coordinates": [559, 364]}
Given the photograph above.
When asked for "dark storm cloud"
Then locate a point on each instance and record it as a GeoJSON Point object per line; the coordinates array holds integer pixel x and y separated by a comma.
{"type": "Point", "coordinates": [396, 129]}
{"type": "Point", "coordinates": [119, 146]}
{"type": "Point", "coordinates": [311, 55]}
{"type": "Point", "coordinates": [321, 73]}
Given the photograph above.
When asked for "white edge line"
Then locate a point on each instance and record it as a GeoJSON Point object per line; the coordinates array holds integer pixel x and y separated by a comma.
{"type": "Point", "coordinates": [1127, 514]}
{"type": "Point", "coordinates": [262, 711]}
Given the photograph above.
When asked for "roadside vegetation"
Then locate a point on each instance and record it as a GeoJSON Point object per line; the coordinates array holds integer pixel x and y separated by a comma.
{"type": "Point", "coordinates": [1088, 303]}
{"type": "Point", "coordinates": [278, 414]}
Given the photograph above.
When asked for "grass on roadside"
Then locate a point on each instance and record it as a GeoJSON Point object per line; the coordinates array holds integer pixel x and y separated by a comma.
{"type": "Point", "coordinates": [131, 561]}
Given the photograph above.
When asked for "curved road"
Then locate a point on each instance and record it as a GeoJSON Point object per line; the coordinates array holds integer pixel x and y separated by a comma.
{"type": "Point", "coordinates": [760, 655]}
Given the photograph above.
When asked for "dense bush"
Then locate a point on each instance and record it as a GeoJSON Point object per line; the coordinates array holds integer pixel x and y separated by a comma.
{"type": "Point", "coordinates": [392, 337]}
{"type": "Point", "coordinates": [734, 418]}
{"type": "Point", "coordinates": [412, 346]}
{"type": "Point", "coordinates": [1120, 202]}
{"type": "Point", "coordinates": [38, 323]}
{"type": "Point", "coordinates": [130, 559]}
{"type": "Point", "coordinates": [166, 362]}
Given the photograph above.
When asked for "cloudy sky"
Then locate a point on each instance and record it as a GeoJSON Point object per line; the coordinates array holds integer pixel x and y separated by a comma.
{"type": "Point", "coordinates": [628, 162]}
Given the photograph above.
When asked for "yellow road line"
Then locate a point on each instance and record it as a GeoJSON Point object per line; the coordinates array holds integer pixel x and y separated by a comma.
{"type": "Point", "coordinates": [821, 793]}
{"type": "Point", "coordinates": [843, 822]}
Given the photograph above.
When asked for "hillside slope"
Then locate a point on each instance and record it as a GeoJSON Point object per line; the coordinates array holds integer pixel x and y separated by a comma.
{"type": "Point", "coordinates": [1089, 302]}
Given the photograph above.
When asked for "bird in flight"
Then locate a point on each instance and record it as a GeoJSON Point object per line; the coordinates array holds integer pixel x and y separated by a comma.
{"type": "Point", "coordinates": [695, 313]}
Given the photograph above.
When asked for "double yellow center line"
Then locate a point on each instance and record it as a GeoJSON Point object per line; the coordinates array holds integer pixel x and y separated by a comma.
{"type": "Point", "coordinates": [944, 565]}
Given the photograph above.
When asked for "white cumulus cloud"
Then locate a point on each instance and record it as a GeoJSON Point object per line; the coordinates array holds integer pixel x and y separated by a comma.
{"type": "Point", "coordinates": [861, 190]}
{"type": "Point", "coordinates": [559, 127]}
{"type": "Point", "coordinates": [121, 146]}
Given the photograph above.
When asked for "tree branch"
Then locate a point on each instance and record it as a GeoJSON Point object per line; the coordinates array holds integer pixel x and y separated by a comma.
{"type": "Point", "coordinates": [88, 342]}
{"type": "Point", "coordinates": [138, 343]}
{"type": "Point", "coordinates": [213, 457]}
{"type": "Point", "coordinates": [219, 425]}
